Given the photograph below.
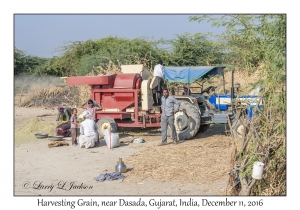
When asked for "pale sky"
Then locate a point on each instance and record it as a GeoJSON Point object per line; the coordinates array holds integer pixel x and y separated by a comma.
{"type": "Point", "coordinates": [41, 35]}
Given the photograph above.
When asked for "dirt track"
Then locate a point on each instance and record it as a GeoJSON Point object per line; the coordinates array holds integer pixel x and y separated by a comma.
{"type": "Point", "coordinates": [51, 168]}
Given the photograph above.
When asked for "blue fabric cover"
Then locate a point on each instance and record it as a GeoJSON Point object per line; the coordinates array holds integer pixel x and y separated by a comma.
{"type": "Point", "coordinates": [189, 74]}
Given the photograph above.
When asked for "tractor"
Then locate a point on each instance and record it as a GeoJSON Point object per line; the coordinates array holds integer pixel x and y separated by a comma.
{"type": "Point", "coordinates": [126, 100]}
{"type": "Point", "coordinates": [216, 108]}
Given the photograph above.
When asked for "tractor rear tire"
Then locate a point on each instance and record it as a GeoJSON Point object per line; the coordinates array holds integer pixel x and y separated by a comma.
{"type": "Point", "coordinates": [109, 122]}
{"type": "Point", "coordinates": [193, 123]}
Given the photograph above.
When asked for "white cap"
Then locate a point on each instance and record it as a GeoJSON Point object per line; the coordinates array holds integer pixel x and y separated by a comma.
{"type": "Point", "coordinates": [86, 114]}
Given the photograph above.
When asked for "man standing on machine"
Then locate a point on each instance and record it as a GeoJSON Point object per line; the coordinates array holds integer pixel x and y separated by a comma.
{"type": "Point", "coordinates": [159, 74]}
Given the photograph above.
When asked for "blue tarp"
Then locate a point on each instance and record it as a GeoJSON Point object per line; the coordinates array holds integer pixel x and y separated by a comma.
{"type": "Point", "coordinates": [189, 74]}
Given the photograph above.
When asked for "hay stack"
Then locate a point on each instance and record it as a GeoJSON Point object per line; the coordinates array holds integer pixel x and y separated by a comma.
{"type": "Point", "coordinates": [52, 97]}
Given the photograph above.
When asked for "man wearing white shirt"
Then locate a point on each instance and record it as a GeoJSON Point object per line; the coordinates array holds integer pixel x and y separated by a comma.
{"type": "Point", "coordinates": [159, 73]}
{"type": "Point", "coordinates": [88, 131]}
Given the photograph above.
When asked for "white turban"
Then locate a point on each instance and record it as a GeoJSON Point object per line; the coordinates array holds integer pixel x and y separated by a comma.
{"type": "Point", "coordinates": [86, 114]}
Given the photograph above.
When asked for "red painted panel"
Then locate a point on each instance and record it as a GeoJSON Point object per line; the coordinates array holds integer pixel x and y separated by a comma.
{"type": "Point", "coordinates": [137, 125]}
{"type": "Point", "coordinates": [124, 96]}
{"type": "Point", "coordinates": [109, 102]}
{"type": "Point", "coordinates": [126, 81]}
{"type": "Point", "coordinates": [113, 115]}
{"type": "Point", "coordinates": [97, 98]}
{"type": "Point", "coordinates": [92, 80]}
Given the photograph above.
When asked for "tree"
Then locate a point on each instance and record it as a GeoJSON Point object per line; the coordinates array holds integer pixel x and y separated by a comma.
{"type": "Point", "coordinates": [194, 50]}
{"type": "Point", "coordinates": [258, 43]}
{"type": "Point", "coordinates": [79, 58]}
{"type": "Point", "coordinates": [24, 63]}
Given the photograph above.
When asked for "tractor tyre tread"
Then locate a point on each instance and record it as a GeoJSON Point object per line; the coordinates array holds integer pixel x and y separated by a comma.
{"type": "Point", "coordinates": [194, 115]}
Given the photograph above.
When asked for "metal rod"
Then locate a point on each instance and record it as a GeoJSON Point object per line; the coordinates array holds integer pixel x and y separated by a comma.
{"type": "Point", "coordinates": [219, 90]}
{"type": "Point", "coordinates": [136, 107]}
{"type": "Point", "coordinates": [224, 83]}
{"type": "Point", "coordinates": [232, 86]}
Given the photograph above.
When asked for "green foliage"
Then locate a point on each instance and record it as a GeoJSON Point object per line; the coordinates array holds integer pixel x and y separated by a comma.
{"type": "Point", "coordinates": [250, 39]}
{"type": "Point", "coordinates": [79, 58]}
{"type": "Point", "coordinates": [258, 42]}
{"type": "Point", "coordinates": [25, 63]}
{"type": "Point", "coordinates": [248, 170]}
{"type": "Point", "coordinates": [193, 50]}
{"type": "Point", "coordinates": [50, 67]}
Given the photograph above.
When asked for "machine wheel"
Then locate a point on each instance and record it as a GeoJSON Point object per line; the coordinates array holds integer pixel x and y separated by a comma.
{"type": "Point", "coordinates": [106, 121]}
{"type": "Point", "coordinates": [187, 121]}
{"type": "Point", "coordinates": [203, 128]}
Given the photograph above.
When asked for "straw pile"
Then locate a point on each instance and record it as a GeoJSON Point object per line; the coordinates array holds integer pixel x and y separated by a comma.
{"type": "Point", "coordinates": [194, 161]}
{"type": "Point", "coordinates": [36, 125]}
{"type": "Point", "coordinates": [50, 97]}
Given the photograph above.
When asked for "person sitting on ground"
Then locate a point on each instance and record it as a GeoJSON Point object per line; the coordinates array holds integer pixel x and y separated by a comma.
{"type": "Point", "coordinates": [63, 129]}
{"type": "Point", "coordinates": [65, 112]}
{"type": "Point", "coordinates": [88, 131]}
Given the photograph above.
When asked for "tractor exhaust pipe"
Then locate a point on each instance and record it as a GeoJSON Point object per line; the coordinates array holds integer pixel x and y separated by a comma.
{"type": "Point", "coordinates": [232, 86]}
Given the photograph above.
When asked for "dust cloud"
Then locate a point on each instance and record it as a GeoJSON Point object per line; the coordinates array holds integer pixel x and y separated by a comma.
{"type": "Point", "coordinates": [25, 83]}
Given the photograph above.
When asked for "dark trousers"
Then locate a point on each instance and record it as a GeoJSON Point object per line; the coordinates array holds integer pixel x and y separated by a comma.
{"type": "Point", "coordinates": [74, 135]}
{"type": "Point", "coordinates": [157, 101]}
{"type": "Point", "coordinates": [157, 92]}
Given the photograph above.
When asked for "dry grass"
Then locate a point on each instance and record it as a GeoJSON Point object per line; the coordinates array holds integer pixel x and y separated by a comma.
{"type": "Point", "coordinates": [244, 79]}
{"type": "Point", "coordinates": [40, 95]}
{"type": "Point", "coordinates": [110, 69]}
{"type": "Point", "coordinates": [194, 161]}
{"type": "Point", "coordinates": [52, 97]}
{"type": "Point", "coordinates": [84, 93]}
{"type": "Point", "coordinates": [265, 142]}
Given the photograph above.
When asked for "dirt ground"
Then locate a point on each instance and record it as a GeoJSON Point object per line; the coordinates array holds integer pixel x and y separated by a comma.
{"type": "Point", "coordinates": [69, 170]}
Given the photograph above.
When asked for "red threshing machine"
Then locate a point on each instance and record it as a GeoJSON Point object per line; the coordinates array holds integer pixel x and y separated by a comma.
{"type": "Point", "coordinates": [125, 98]}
